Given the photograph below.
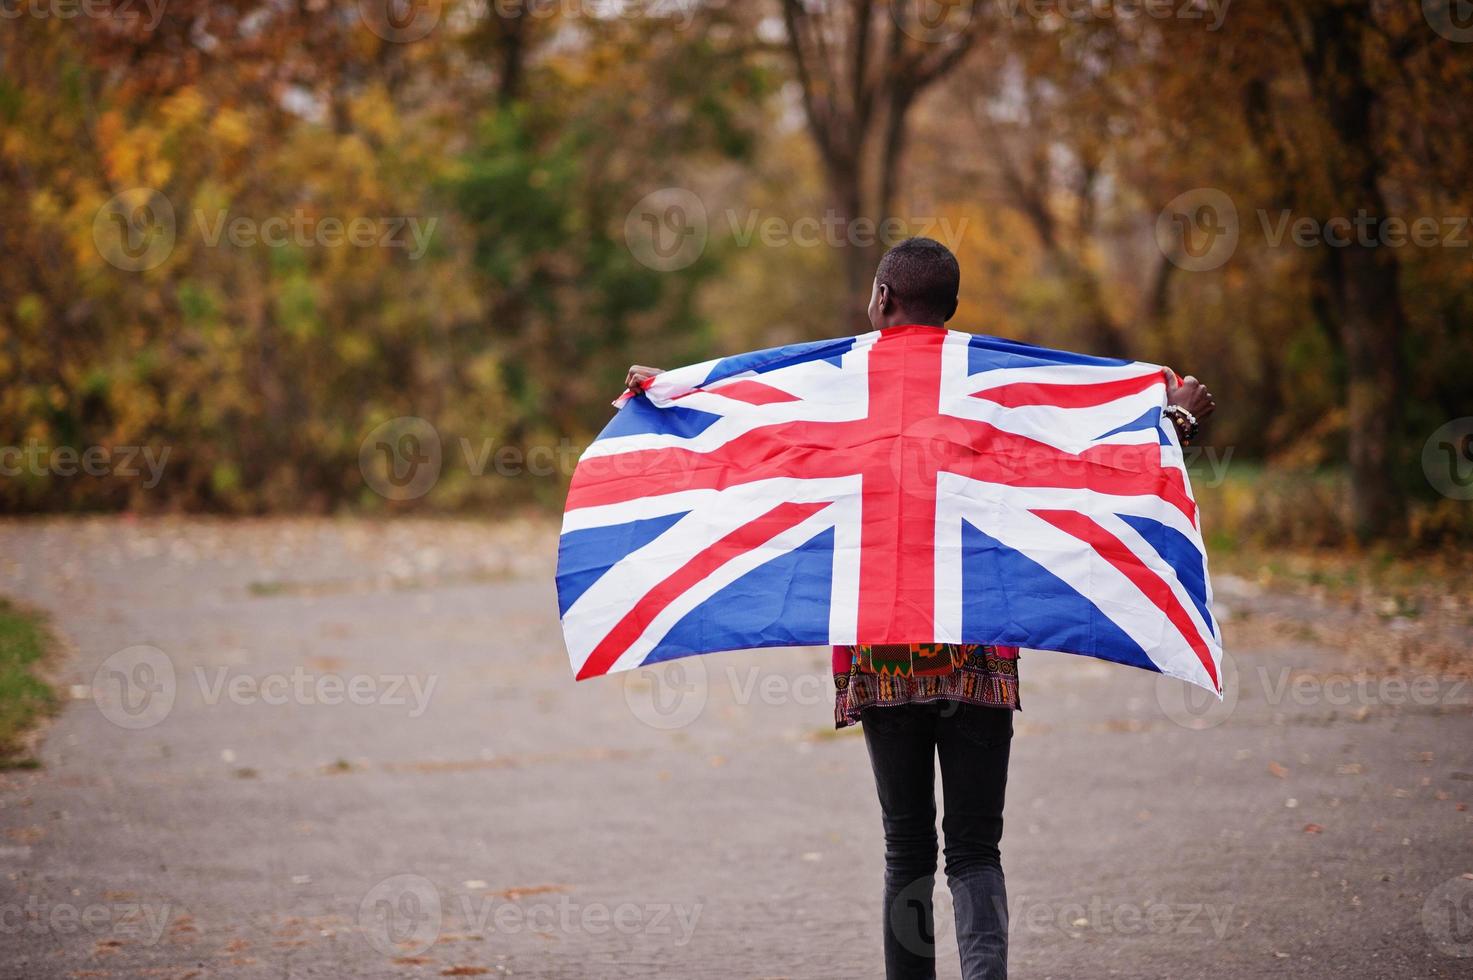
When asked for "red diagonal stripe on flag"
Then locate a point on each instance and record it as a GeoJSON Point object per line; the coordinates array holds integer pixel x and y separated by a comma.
{"type": "Point", "coordinates": [1152, 586]}
{"type": "Point", "coordinates": [1025, 393]}
{"type": "Point", "coordinates": [751, 392]}
{"type": "Point", "coordinates": [751, 535]}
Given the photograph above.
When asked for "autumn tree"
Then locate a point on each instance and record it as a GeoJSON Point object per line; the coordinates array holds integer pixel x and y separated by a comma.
{"type": "Point", "coordinates": [1341, 99]}
{"type": "Point", "coordinates": [862, 66]}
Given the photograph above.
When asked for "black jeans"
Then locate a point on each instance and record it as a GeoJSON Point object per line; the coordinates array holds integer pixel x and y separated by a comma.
{"type": "Point", "coordinates": [973, 743]}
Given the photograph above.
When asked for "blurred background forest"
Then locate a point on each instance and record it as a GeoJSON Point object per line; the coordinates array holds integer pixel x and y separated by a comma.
{"type": "Point", "coordinates": [250, 233]}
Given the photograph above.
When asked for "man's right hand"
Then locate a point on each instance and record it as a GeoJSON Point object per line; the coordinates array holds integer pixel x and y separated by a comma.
{"type": "Point", "coordinates": [1190, 394]}
{"type": "Point", "coordinates": [639, 376]}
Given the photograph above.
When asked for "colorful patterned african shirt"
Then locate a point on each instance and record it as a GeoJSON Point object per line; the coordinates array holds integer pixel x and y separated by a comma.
{"type": "Point", "coordinates": [891, 674]}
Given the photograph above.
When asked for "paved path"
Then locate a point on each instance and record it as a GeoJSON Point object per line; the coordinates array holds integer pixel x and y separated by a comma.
{"type": "Point", "coordinates": [348, 749]}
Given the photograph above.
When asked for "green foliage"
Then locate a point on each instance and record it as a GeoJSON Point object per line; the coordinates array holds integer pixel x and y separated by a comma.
{"type": "Point", "coordinates": [24, 697]}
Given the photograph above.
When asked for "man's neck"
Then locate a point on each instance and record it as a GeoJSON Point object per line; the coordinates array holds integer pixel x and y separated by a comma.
{"type": "Point", "coordinates": [908, 321]}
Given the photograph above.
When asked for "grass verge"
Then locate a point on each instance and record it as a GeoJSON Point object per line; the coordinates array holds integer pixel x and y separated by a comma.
{"type": "Point", "coordinates": [25, 698]}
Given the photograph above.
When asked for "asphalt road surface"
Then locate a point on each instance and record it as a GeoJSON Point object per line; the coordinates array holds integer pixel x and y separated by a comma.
{"type": "Point", "coordinates": [353, 749]}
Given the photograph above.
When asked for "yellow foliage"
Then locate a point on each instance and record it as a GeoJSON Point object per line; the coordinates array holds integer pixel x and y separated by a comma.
{"type": "Point", "coordinates": [183, 108]}
{"type": "Point", "coordinates": [373, 114]}
{"type": "Point", "coordinates": [231, 128]}
{"type": "Point", "coordinates": [46, 209]}
{"type": "Point", "coordinates": [13, 144]}
{"type": "Point", "coordinates": [997, 254]}
{"type": "Point", "coordinates": [110, 127]}
{"type": "Point", "coordinates": [123, 156]}
{"type": "Point", "coordinates": [156, 172]}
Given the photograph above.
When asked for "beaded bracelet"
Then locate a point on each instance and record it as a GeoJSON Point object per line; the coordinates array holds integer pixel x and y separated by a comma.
{"type": "Point", "coordinates": [1186, 422]}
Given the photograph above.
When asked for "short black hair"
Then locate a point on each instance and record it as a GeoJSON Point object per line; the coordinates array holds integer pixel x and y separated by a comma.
{"type": "Point", "coordinates": [923, 276]}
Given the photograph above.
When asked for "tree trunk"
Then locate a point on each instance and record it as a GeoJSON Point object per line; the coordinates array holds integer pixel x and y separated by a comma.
{"type": "Point", "coordinates": [1371, 321]}
{"type": "Point", "coordinates": [858, 261]}
{"type": "Point", "coordinates": [857, 110]}
{"type": "Point", "coordinates": [513, 54]}
{"type": "Point", "coordinates": [1365, 280]}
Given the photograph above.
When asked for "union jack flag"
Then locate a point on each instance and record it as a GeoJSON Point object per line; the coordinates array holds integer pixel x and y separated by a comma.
{"type": "Point", "coordinates": [910, 485]}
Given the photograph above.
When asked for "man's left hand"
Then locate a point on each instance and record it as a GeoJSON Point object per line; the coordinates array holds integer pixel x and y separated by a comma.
{"type": "Point", "coordinates": [639, 376]}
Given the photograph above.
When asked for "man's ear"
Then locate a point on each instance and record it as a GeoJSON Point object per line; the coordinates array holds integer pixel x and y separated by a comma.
{"type": "Point", "coordinates": [951, 312]}
{"type": "Point", "coordinates": [883, 293]}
